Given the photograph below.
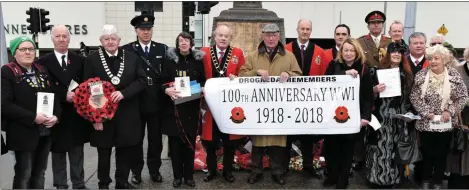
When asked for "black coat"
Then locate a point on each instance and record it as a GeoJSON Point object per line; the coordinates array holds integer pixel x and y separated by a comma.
{"type": "Point", "coordinates": [189, 112]}
{"type": "Point", "coordinates": [366, 86]}
{"type": "Point", "coordinates": [19, 102]}
{"type": "Point", "coordinates": [73, 130]}
{"type": "Point", "coordinates": [124, 129]}
{"type": "Point", "coordinates": [150, 98]}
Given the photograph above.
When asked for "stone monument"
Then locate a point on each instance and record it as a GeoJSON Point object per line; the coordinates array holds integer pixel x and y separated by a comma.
{"type": "Point", "coordinates": [246, 20]}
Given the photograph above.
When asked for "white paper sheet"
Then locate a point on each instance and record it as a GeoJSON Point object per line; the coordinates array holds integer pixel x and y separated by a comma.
{"type": "Point", "coordinates": [45, 103]}
{"type": "Point", "coordinates": [392, 79]}
{"type": "Point", "coordinates": [182, 84]}
{"type": "Point", "coordinates": [73, 85]}
{"type": "Point", "coordinates": [374, 123]}
{"type": "Point", "coordinates": [437, 124]}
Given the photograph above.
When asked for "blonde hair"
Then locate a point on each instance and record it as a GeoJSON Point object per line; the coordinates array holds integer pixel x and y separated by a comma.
{"type": "Point", "coordinates": [466, 54]}
{"type": "Point", "coordinates": [358, 51]}
{"type": "Point", "coordinates": [396, 22]}
{"type": "Point", "coordinates": [439, 49]}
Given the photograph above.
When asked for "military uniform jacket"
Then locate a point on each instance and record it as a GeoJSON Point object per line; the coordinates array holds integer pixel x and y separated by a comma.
{"type": "Point", "coordinates": [150, 98]}
{"type": "Point", "coordinates": [124, 128]}
{"type": "Point", "coordinates": [73, 130]}
{"type": "Point", "coordinates": [234, 59]}
{"type": "Point", "coordinates": [372, 53]}
{"type": "Point", "coordinates": [19, 102]}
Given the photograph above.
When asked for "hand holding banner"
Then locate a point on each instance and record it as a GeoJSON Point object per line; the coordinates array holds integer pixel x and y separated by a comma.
{"type": "Point", "coordinates": [302, 105]}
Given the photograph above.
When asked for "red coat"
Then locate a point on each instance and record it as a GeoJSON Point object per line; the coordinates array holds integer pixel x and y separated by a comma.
{"type": "Point", "coordinates": [318, 63]}
{"type": "Point", "coordinates": [235, 62]}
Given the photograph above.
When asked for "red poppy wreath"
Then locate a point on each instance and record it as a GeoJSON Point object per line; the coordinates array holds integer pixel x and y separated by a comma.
{"type": "Point", "coordinates": [97, 108]}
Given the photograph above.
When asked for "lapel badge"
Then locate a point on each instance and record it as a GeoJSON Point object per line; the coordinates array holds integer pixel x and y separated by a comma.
{"type": "Point", "coordinates": [318, 60]}
{"type": "Point", "coordinates": [136, 45]}
{"type": "Point", "coordinates": [235, 60]}
{"type": "Point", "coordinates": [153, 45]}
{"type": "Point", "coordinates": [145, 19]}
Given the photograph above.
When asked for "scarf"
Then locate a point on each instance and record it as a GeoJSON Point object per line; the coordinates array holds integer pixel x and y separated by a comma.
{"type": "Point", "coordinates": [440, 84]}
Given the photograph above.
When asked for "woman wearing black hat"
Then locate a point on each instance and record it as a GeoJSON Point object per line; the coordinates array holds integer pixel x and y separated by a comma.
{"type": "Point", "coordinates": [381, 168]}
{"type": "Point", "coordinates": [181, 122]}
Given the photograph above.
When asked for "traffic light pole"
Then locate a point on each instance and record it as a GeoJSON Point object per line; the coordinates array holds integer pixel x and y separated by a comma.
{"type": "Point", "coordinates": [36, 41]}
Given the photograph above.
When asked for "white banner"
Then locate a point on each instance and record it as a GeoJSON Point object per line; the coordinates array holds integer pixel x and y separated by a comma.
{"type": "Point", "coordinates": [303, 105]}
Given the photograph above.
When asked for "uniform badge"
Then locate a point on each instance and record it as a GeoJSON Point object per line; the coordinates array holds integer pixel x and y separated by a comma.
{"type": "Point", "coordinates": [235, 60]}
{"type": "Point", "coordinates": [318, 60]}
{"type": "Point", "coordinates": [145, 19]}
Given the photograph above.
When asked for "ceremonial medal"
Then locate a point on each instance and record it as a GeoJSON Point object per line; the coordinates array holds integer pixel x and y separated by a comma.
{"type": "Point", "coordinates": [235, 60]}
{"type": "Point", "coordinates": [221, 72]}
{"type": "Point", "coordinates": [115, 80]}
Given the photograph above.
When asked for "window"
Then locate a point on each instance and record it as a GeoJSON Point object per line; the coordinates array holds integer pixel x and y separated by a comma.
{"type": "Point", "coordinates": [156, 6]}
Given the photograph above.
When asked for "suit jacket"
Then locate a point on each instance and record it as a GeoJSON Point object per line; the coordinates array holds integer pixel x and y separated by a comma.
{"type": "Point", "coordinates": [150, 98]}
{"type": "Point", "coordinates": [19, 102]}
{"type": "Point", "coordinates": [73, 130]}
{"type": "Point", "coordinates": [314, 62]}
{"type": "Point", "coordinates": [373, 55]}
{"type": "Point", "coordinates": [124, 128]}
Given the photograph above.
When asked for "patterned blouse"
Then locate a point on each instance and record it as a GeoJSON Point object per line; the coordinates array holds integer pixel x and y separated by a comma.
{"type": "Point", "coordinates": [431, 102]}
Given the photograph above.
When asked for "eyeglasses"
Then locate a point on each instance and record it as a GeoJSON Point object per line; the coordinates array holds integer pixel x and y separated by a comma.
{"type": "Point", "coordinates": [435, 43]}
{"type": "Point", "coordinates": [27, 49]}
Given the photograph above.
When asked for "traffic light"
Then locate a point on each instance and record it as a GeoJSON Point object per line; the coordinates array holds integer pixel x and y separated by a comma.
{"type": "Point", "coordinates": [43, 20]}
{"type": "Point", "coordinates": [203, 7]}
{"type": "Point", "coordinates": [33, 20]}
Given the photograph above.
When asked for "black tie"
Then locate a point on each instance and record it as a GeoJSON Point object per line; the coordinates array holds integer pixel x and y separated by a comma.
{"type": "Point", "coordinates": [64, 64]}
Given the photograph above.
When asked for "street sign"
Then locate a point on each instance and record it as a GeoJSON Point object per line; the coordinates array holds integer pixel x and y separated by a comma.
{"type": "Point", "coordinates": [442, 30]}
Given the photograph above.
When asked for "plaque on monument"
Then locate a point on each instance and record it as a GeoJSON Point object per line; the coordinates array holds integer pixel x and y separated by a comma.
{"type": "Point", "coordinates": [246, 20]}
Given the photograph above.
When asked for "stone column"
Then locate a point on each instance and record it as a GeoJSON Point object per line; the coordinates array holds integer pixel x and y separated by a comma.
{"type": "Point", "coordinates": [246, 20]}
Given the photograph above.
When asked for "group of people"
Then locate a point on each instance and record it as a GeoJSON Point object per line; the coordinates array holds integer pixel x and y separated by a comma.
{"type": "Point", "coordinates": [432, 84]}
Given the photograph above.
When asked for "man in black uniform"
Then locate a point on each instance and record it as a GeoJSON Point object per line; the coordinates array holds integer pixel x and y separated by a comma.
{"type": "Point", "coordinates": [152, 54]}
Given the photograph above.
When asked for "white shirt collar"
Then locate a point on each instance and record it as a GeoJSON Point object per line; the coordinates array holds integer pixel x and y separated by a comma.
{"type": "Point", "coordinates": [115, 54]}
{"type": "Point", "coordinates": [414, 59]}
{"type": "Point", "coordinates": [219, 50]}
{"type": "Point", "coordinates": [376, 38]}
{"type": "Point", "coordinates": [59, 56]}
{"type": "Point", "coordinates": [299, 44]}
{"type": "Point", "coordinates": [337, 48]}
{"type": "Point", "coordinates": [143, 46]}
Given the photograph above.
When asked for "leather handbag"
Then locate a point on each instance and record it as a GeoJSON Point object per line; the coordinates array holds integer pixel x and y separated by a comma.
{"type": "Point", "coordinates": [460, 138]}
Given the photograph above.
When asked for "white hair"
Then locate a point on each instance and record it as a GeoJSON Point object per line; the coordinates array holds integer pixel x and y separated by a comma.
{"type": "Point", "coordinates": [56, 27]}
{"type": "Point", "coordinates": [108, 30]}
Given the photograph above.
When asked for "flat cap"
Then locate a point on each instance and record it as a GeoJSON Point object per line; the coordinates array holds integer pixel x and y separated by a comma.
{"type": "Point", "coordinates": [270, 28]}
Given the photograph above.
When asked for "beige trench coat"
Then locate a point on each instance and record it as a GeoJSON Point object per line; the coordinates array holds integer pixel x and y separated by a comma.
{"type": "Point", "coordinates": [283, 61]}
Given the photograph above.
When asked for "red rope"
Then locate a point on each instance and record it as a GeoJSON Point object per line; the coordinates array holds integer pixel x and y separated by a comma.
{"type": "Point", "coordinates": [182, 133]}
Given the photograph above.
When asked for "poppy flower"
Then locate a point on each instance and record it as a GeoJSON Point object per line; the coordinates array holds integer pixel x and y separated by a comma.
{"type": "Point", "coordinates": [237, 115]}
{"type": "Point", "coordinates": [341, 114]}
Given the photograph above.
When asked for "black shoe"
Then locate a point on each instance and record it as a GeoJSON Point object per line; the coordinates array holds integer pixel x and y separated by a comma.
{"type": "Point", "coordinates": [136, 179]}
{"type": "Point", "coordinates": [437, 186]}
{"type": "Point", "coordinates": [61, 187]}
{"type": "Point", "coordinates": [190, 182]}
{"type": "Point", "coordinates": [156, 178]}
{"type": "Point", "coordinates": [278, 179]}
{"type": "Point", "coordinates": [359, 165]}
{"type": "Point", "coordinates": [103, 186]}
{"type": "Point", "coordinates": [329, 182]}
{"type": "Point", "coordinates": [425, 185]}
{"type": "Point", "coordinates": [229, 177]}
{"type": "Point", "coordinates": [210, 176]}
{"type": "Point", "coordinates": [313, 172]}
{"type": "Point", "coordinates": [254, 178]}
{"type": "Point", "coordinates": [177, 182]}
{"type": "Point", "coordinates": [81, 187]}
{"type": "Point", "coordinates": [126, 185]}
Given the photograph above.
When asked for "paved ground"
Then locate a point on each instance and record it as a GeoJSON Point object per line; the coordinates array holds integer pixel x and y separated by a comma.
{"type": "Point", "coordinates": [294, 180]}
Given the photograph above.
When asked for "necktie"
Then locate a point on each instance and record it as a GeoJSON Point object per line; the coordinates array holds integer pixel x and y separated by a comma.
{"type": "Point", "coordinates": [377, 42]}
{"type": "Point", "coordinates": [64, 64]}
{"type": "Point", "coordinates": [220, 58]}
{"type": "Point", "coordinates": [302, 56]}
{"type": "Point", "coordinates": [146, 51]}
{"type": "Point", "coordinates": [417, 63]}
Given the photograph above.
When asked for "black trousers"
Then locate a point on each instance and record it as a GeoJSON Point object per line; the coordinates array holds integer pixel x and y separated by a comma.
{"type": "Point", "coordinates": [155, 144]}
{"type": "Point", "coordinates": [31, 166]}
{"type": "Point", "coordinates": [276, 155]}
{"type": "Point", "coordinates": [182, 157]}
{"type": "Point", "coordinates": [59, 168]}
{"type": "Point", "coordinates": [306, 148]}
{"type": "Point", "coordinates": [125, 158]}
{"type": "Point", "coordinates": [339, 156]}
{"type": "Point", "coordinates": [359, 148]}
{"type": "Point", "coordinates": [435, 149]}
{"type": "Point", "coordinates": [211, 147]}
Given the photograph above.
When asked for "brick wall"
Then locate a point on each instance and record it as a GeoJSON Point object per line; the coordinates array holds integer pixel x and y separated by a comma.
{"type": "Point", "coordinates": [168, 24]}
